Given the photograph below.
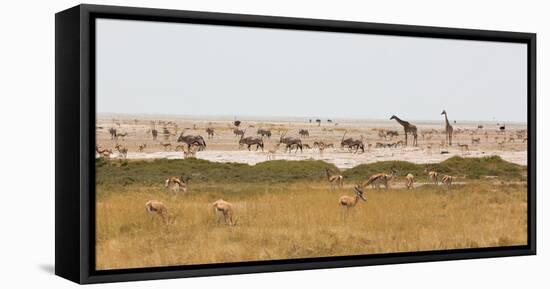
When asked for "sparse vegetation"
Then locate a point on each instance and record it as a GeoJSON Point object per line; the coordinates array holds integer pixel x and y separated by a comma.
{"type": "Point", "coordinates": [284, 209]}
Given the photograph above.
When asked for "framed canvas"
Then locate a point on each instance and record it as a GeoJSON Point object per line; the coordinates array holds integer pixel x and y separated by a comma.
{"type": "Point", "coordinates": [194, 144]}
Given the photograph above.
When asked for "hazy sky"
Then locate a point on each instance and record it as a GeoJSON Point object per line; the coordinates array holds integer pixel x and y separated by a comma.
{"type": "Point", "coordinates": [188, 69]}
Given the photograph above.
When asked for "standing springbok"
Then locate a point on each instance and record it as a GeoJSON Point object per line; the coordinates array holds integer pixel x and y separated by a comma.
{"type": "Point", "coordinates": [123, 152]}
{"type": "Point", "coordinates": [334, 179]}
{"type": "Point", "coordinates": [271, 152]}
{"type": "Point", "coordinates": [176, 184]}
{"type": "Point", "coordinates": [380, 179]}
{"type": "Point", "coordinates": [158, 208]}
{"type": "Point", "coordinates": [432, 176]}
{"type": "Point", "coordinates": [447, 180]}
{"type": "Point", "coordinates": [142, 147]}
{"type": "Point", "coordinates": [224, 208]}
{"type": "Point", "coordinates": [347, 202]}
{"type": "Point", "coordinates": [409, 181]}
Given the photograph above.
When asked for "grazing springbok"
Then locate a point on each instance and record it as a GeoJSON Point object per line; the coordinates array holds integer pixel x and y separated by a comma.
{"type": "Point", "coordinates": [142, 147]}
{"type": "Point", "coordinates": [210, 132]}
{"type": "Point", "coordinates": [158, 208]}
{"type": "Point", "coordinates": [381, 179]}
{"type": "Point", "coordinates": [409, 181]}
{"type": "Point", "coordinates": [463, 147]}
{"type": "Point", "coordinates": [271, 152]}
{"type": "Point", "coordinates": [166, 146]}
{"type": "Point", "coordinates": [432, 176]}
{"type": "Point", "coordinates": [189, 153]}
{"type": "Point", "coordinates": [224, 208]}
{"type": "Point", "coordinates": [122, 135]}
{"type": "Point", "coordinates": [123, 152]}
{"type": "Point", "coordinates": [335, 180]}
{"type": "Point", "coordinates": [447, 180]}
{"type": "Point", "coordinates": [176, 184]}
{"type": "Point", "coordinates": [347, 202]}
{"type": "Point", "coordinates": [103, 153]}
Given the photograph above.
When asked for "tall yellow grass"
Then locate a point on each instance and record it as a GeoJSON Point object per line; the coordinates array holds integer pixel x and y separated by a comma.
{"type": "Point", "coordinates": [303, 220]}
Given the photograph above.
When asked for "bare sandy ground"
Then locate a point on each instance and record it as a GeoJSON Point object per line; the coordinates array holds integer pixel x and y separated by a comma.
{"type": "Point", "coordinates": [223, 147]}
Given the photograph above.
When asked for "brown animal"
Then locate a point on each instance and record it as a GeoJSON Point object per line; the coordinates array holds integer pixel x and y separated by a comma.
{"type": "Point", "coordinates": [447, 180]}
{"type": "Point", "coordinates": [409, 181]}
{"type": "Point", "coordinates": [224, 208]}
{"type": "Point", "coordinates": [347, 202]}
{"type": "Point", "coordinates": [158, 208]}
{"type": "Point", "coordinates": [334, 179]}
{"type": "Point", "coordinates": [176, 184]}
{"type": "Point", "coordinates": [381, 179]}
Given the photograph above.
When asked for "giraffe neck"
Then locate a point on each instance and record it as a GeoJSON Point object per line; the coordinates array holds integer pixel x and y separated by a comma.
{"type": "Point", "coordinates": [447, 120]}
{"type": "Point", "coordinates": [401, 122]}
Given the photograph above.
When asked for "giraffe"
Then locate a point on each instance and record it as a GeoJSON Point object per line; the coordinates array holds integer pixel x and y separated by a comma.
{"type": "Point", "coordinates": [448, 129]}
{"type": "Point", "coordinates": [408, 127]}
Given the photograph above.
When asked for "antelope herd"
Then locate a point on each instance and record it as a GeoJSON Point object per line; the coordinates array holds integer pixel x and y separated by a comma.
{"type": "Point", "coordinates": [355, 143]}
{"type": "Point", "coordinates": [226, 209]}
{"type": "Point", "coordinates": [471, 141]}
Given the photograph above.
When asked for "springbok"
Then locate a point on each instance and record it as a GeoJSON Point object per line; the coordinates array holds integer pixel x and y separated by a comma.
{"type": "Point", "coordinates": [476, 140]}
{"type": "Point", "coordinates": [381, 179]}
{"type": "Point", "coordinates": [121, 150]}
{"type": "Point", "coordinates": [432, 176]}
{"type": "Point", "coordinates": [158, 208]}
{"type": "Point", "coordinates": [271, 152]}
{"type": "Point", "coordinates": [334, 179]}
{"type": "Point", "coordinates": [447, 180]}
{"type": "Point", "coordinates": [224, 208]}
{"type": "Point", "coordinates": [409, 181]}
{"type": "Point", "coordinates": [103, 153]}
{"type": "Point", "coordinates": [142, 147]}
{"type": "Point", "coordinates": [166, 145]}
{"type": "Point", "coordinates": [176, 184]}
{"type": "Point", "coordinates": [347, 202]}
{"type": "Point", "coordinates": [463, 147]}
{"type": "Point", "coordinates": [122, 135]}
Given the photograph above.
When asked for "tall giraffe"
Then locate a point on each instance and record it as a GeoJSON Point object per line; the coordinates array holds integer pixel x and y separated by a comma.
{"type": "Point", "coordinates": [408, 127]}
{"type": "Point", "coordinates": [448, 129]}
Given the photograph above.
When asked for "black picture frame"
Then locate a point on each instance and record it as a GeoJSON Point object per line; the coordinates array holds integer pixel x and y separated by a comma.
{"type": "Point", "coordinates": [75, 140]}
